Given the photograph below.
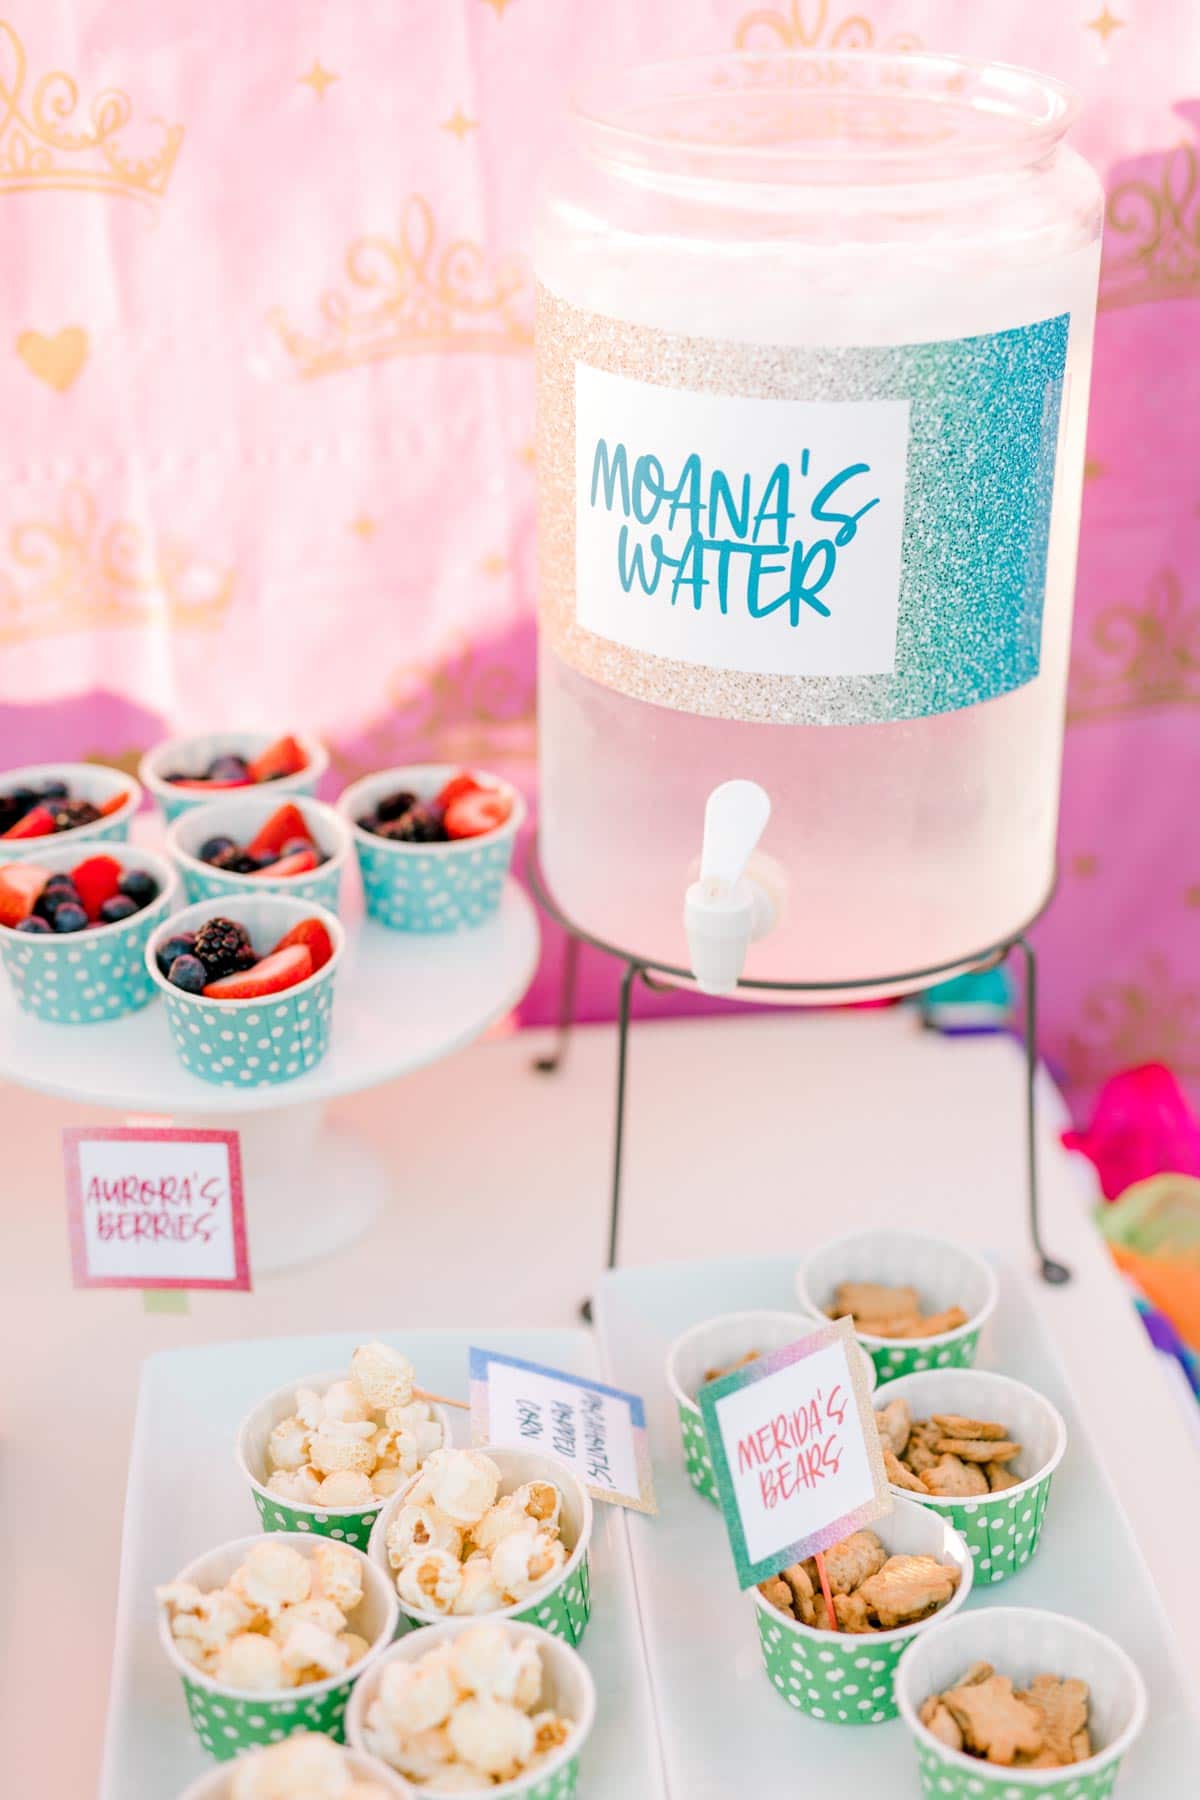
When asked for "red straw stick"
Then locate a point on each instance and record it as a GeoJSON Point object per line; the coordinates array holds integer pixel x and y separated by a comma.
{"type": "Point", "coordinates": [823, 1572]}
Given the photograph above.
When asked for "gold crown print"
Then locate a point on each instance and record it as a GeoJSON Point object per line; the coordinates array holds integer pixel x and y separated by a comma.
{"type": "Point", "coordinates": [806, 24]}
{"type": "Point", "coordinates": [1147, 1016]}
{"type": "Point", "coordinates": [46, 142]}
{"type": "Point", "coordinates": [1152, 234]}
{"type": "Point", "coordinates": [1137, 657]}
{"type": "Point", "coordinates": [70, 573]}
{"type": "Point", "coordinates": [408, 296]}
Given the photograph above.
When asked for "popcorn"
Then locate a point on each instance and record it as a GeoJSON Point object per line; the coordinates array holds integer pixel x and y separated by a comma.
{"type": "Point", "coordinates": [303, 1486]}
{"type": "Point", "coordinates": [490, 1662]}
{"type": "Point", "coordinates": [343, 1401]}
{"type": "Point", "coordinates": [416, 1696]}
{"type": "Point", "coordinates": [478, 1593]}
{"type": "Point", "coordinates": [524, 1560]}
{"type": "Point", "coordinates": [463, 1484]}
{"type": "Point", "coordinates": [455, 1778]}
{"type": "Point", "coordinates": [431, 1580]}
{"type": "Point", "coordinates": [207, 1620]}
{"type": "Point", "coordinates": [382, 1375]}
{"type": "Point", "coordinates": [386, 1482]}
{"type": "Point", "coordinates": [346, 1487]}
{"type": "Point", "coordinates": [311, 1653]}
{"type": "Point", "coordinates": [322, 1613]}
{"type": "Point", "coordinates": [506, 1516]}
{"type": "Point", "coordinates": [337, 1575]}
{"type": "Point", "coordinates": [251, 1661]}
{"type": "Point", "coordinates": [343, 1444]}
{"type": "Point", "coordinates": [287, 1446]}
{"type": "Point", "coordinates": [416, 1528]}
{"type": "Point", "coordinates": [303, 1765]}
{"type": "Point", "coordinates": [492, 1736]}
{"type": "Point", "coordinates": [508, 1548]}
{"type": "Point", "coordinates": [272, 1576]}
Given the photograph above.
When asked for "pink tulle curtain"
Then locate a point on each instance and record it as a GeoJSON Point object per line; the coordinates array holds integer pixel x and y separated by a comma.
{"type": "Point", "coordinates": [265, 372]}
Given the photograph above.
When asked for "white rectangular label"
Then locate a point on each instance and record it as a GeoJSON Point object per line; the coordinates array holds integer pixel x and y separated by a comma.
{"type": "Point", "coordinates": [737, 533]}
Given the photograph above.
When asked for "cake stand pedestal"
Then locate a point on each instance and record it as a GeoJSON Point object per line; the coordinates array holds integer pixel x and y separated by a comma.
{"type": "Point", "coordinates": [402, 1001]}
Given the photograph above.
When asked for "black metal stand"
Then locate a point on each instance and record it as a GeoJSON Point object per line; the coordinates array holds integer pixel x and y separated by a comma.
{"type": "Point", "coordinates": [663, 977]}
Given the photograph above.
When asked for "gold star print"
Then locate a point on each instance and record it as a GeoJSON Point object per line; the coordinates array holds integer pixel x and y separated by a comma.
{"type": "Point", "coordinates": [364, 527]}
{"type": "Point", "coordinates": [460, 124]}
{"type": "Point", "coordinates": [1105, 23]}
{"type": "Point", "coordinates": [498, 6]}
{"type": "Point", "coordinates": [1093, 468]}
{"type": "Point", "coordinates": [495, 564]}
{"type": "Point", "coordinates": [318, 79]}
{"type": "Point", "coordinates": [527, 454]}
{"type": "Point", "coordinates": [1191, 897]}
{"type": "Point", "coordinates": [1084, 865]}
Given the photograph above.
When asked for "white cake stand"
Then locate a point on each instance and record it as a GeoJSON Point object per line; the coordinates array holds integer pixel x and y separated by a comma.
{"type": "Point", "coordinates": [402, 1001]}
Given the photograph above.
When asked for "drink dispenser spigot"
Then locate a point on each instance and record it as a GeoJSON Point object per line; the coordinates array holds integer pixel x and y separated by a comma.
{"type": "Point", "coordinates": [737, 897]}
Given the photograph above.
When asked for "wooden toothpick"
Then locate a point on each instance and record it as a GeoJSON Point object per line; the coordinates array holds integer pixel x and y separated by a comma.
{"type": "Point", "coordinates": [823, 1572]}
{"type": "Point", "coordinates": [440, 1399]}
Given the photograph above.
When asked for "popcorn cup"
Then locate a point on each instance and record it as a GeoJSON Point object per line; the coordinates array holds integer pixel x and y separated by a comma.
{"type": "Point", "coordinates": [239, 817]}
{"type": "Point", "coordinates": [843, 1677]}
{"type": "Point", "coordinates": [89, 977]}
{"type": "Point", "coordinates": [218, 1783]}
{"type": "Point", "coordinates": [567, 1689]}
{"type": "Point", "coordinates": [1002, 1530]}
{"type": "Point", "coordinates": [228, 1720]}
{"type": "Point", "coordinates": [1022, 1644]}
{"type": "Point", "coordinates": [715, 1344]}
{"type": "Point", "coordinates": [86, 781]}
{"type": "Point", "coordinates": [564, 1605]}
{"type": "Point", "coordinates": [351, 1524]}
{"type": "Point", "coordinates": [192, 755]}
{"type": "Point", "coordinates": [251, 1043]}
{"type": "Point", "coordinates": [430, 887]}
{"type": "Point", "coordinates": [943, 1274]}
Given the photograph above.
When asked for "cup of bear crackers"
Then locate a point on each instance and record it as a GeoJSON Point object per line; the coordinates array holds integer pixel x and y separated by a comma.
{"type": "Point", "coordinates": [889, 1584]}
{"type": "Point", "coordinates": [1008, 1703]}
{"type": "Point", "coordinates": [981, 1449]}
{"type": "Point", "coordinates": [305, 1763]}
{"type": "Point", "coordinates": [486, 1706]}
{"type": "Point", "coordinates": [327, 1451]}
{"type": "Point", "coordinates": [268, 1635]}
{"type": "Point", "coordinates": [491, 1531]}
{"type": "Point", "coordinates": [917, 1302]}
{"type": "Point", "coordinates": [713, 1348]}
{"type": "Point", "coordinates": [261, 842]}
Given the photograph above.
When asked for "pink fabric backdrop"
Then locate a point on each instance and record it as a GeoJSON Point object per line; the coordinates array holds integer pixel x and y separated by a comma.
{"type": "Point", "coordinates": [265, 374]}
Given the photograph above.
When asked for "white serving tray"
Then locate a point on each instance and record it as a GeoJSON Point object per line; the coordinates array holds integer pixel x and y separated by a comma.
{"type": "Point", "coordinates": [724, 1731]}
{"type": "Point", "coordinates": [185, 1495]}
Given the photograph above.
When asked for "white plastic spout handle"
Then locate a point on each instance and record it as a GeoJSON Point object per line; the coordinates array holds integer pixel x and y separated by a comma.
{"type": "Point", "coordinates": [726, 910]}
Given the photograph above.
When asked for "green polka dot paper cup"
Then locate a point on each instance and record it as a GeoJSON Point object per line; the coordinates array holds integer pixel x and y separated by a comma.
{"type": "Point", "coordinates": [718, 1344]}
{"type": "Point", "coordinates": [564, 1606]}
{"type": "Point", "coordinates": [229, 1720]}
{"type": "Point", "coordinates": [251, 1043]}
{"type": "Point", "coordinates": [1002, 1530]}
{"type": "Point", "coordinates": [943, 1274]}
{"type": "Point", "coordinates": [350, 1524]}
{"type": "Point", "coordinates": [1022, 1644]}
{"type": "Point", "coordinates": [430, 887]}
{"type": "Point", "coordinates": [89, 977]}
{"type": "Point", "coordinates": [192, 755]}
{"type": "Point", "coordinates": [845, 1678]}
{"type": "Point", "coordinates": [85, 781]}
{"type": "Point", "coordinates": [218, 1783]}
{"type": "Point", "coordinates": [239, 817]}
{"type": "Point", "coordinates": [567, 1689]}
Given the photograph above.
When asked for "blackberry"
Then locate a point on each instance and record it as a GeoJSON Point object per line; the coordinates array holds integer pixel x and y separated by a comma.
{"type": "Point", "coordinates": [227, 768]}
{"type": "Point", "coordinates": [247, 956]}
{"type": "Point", "coordinates": [69, 813]}
{"type": "Point", "coordinates": [33, 923]}
{"type": "Point", "coordinates": [212, 847]}
{"type": "Point", "coordinates": [235, 861]}
{"type": "Point", "coordinates": [392, 806]}
{"type": "Point", "coordinates": [14, 805]}
{"type": "Point", "coordinates": [219, 944]}
{"type": "Point", "coordinates": [189, 973]}
{"type": "Point", "coordinates": [182, 944]}
{"type": "Point", "coordinates": [138, 886]}
{"type": "Point", "coordinates": [70, 916]}
{"type": "Point", "coordinates": [419, 825]}
{"type": "Point", "coordinates": [116, 908]}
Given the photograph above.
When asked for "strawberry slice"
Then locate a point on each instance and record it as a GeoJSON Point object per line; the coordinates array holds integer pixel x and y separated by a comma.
{"type": "Point", "coordinates": [20, 885]}
{"type": "Point", "coordinates": [473, 814]}
{"type": "Point", "coordinates": [298, 863]}
{"type": "Point", "coordinates": [96, 880]}
{"type": "Point", "coordinates": [283, 757]}
{"type": "Point", "coordinates": [195, 784]}
{"type": "Point", "coordinates": [314, 936]}
{"type": "Point", "coordinates": [113, 804]}
{"type": "Point", "coordinates": [282, 969]}
{"type": "Point", "coordinates": [38, 822]}
{"type": "Point", "coordinates": [456, 787]}
{"type": "Point", "coordinates": [285, 822]}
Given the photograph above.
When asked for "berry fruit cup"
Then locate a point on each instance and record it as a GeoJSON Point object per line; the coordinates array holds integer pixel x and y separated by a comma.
{"type": "Point", "coordinates": [191, 756]}
{"type": "Point", "coordinates": [228, 1720]}
{"type": "Point", "coordinates": [106, 788]}
{"type": "Point", "coordinates": [441, 887]}
{"type": "Point", "coordinates": [218, 1783]}
{"type": "Point", "coordinates": [240, 817]}
{"type": "Point", "coordinates": [91, 976]}
{"type": "Point", "coordinates": [256, 1042]}
{"type": "Point", "coordinates": [944, 1274]}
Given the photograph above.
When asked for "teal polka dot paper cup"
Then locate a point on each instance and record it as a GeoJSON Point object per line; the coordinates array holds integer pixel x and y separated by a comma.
{"type": "Point", "coordinates": [89, 977]}
{"type": "Point", "coordinates": [1002, 1530]}
{"type": "Point", "coordinates": [563, 1607]}
{"type": "Point", "coordinates": [715, 1345]}
{"type": "Point", "coordinates": [1022, 1643]}
{"type": "Point", "coordinates": [85, 781]}
{"type": "Point", "coordinates": [192, 755]}
{"type": "Point", "coordinates": [251, 1043]}
{"type": "Point", "coordinates": [350, 1524]}
{"type": "Point", "coordinates": [944, 1275]}
{"type": "Point", "coordinates": [240, 817]}
{"type": "Point", "coordinates": [845, 1678]}
{"type": "Point", "coordinates": [567, 1689]}
{"type": "Point", "coordinates": [228, 1720]}
{"type": "Point", "coordinates": [218, 1784]}
{"type": "Point", "coordinates": [430, 887]}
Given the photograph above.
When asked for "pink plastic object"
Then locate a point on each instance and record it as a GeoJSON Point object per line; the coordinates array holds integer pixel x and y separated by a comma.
{"type": "Point", "coordinates": [1142, 1126]}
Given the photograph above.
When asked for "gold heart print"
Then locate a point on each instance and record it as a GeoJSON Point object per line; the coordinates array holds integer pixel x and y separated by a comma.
{"type": "Point", "coordinates": [56, 360]}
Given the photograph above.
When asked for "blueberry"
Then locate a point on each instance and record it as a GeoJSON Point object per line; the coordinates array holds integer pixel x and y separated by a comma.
{"type": "Point", "coordinates": [52, 790]}
{"type": "Point", "coordinates": [61, 883]}
{"type": "Point", "coordinates": [264, 858]}
{"type": "Point", "coordinates": [294, 846]}
{"type": "Point", "coordinates": [138, 886]}
{"type": "Point", "coordinates": [189, 973]}
{"type": "Point", "coordinates": [235, 861]}
{"type": "Point", "coordinates": [59, 890]}
{"type": "Point", "coordinates": [70, 916]}
{"type": "Point", "coordinates": [179, 945]}
{"type": "Point", "coordinates": [227, 768]}
{"type": "Point", "coordinates": [212, 847]}
{"type": "Point", "coordinates": [33, 923]}
{"type": "Point", "coordinates": [118, 907]}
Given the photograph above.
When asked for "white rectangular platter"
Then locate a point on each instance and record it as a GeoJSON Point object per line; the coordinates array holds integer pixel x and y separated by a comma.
{"type": "Point", "coordinates": [724, 1730]}
{"type": "Point", "coordinates": [185, 1495]}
